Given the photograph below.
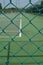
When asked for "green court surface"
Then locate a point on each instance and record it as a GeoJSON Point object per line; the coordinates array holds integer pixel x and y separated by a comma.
{"type": "Point", "coordinates": [24, 50]}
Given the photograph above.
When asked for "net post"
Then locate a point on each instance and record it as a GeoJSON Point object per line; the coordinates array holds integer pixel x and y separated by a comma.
{"type": "Point", "coordinates": [8, 54]}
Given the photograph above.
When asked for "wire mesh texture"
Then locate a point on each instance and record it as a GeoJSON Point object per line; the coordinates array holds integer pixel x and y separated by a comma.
{"type": "Point", "coordinates": [27, 50]}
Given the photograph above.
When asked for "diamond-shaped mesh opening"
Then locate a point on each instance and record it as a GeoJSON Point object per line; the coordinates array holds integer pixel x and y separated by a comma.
{"type": "Point", "coordinates": [15, 48]}
{"type": "Point", "coordinates": [38, 22]}
{"type": "Point", "coordinates": [21, 32]}
{"type": "Point", "coordinates": [30, 30]}
{"type": "Point", "coordinates": [32, 50]}
{"type": "Point", "coordinates": [17, 21]}
{"type": "Point", "coordinates": [11, 30]}
{"type": "Point", "coordinates": [3, 21]}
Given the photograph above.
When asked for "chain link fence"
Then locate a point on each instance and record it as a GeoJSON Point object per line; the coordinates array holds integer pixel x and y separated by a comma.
{"type": "Point", "coordinates": [25, 50]}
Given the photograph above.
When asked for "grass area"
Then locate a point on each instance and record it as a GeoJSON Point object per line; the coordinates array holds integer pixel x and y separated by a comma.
{"type": "Point", "coordinates": [21, 46]}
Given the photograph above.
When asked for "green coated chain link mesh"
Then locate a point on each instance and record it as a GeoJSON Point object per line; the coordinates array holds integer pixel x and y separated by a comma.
{"type": "Point", "coordinates": [24, 50]}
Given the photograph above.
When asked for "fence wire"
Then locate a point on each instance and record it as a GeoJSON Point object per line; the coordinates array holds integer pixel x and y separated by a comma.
{"type": "Point", "coordinates": [10, 55]}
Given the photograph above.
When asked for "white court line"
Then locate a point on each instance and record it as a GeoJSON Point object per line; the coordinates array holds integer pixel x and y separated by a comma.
{"type": "Point", "coordinates": [10, 31]}
{"type": "Point", "coordinates": [20, 33]}
{"type": "Point", "coordinates": [4, 37]}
